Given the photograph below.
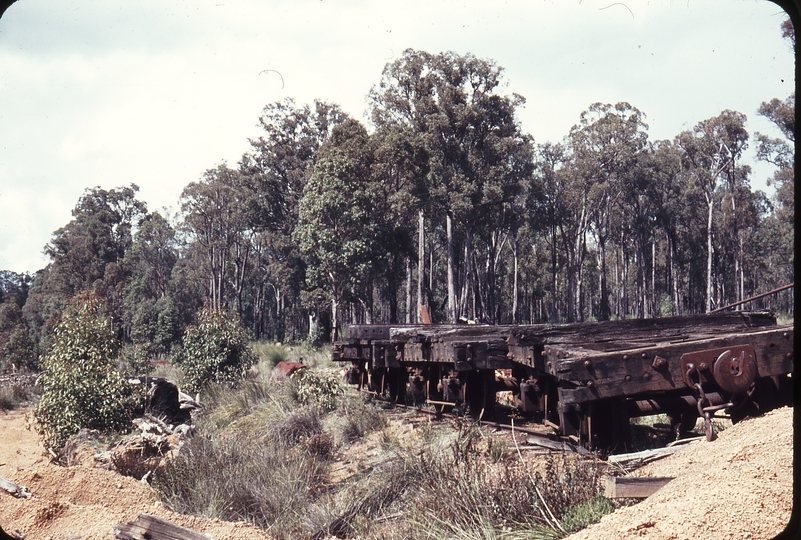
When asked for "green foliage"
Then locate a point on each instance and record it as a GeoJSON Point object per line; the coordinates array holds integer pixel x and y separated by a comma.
{"type": "Point", "coordinates": [20, 350]}
{"type": "Point", "coordinates": [155, 327]}
{"type": "Point", "coordinates": [134, 361]}
{"type": "Point", "coordinates": [318, 388]}
{"type": "Point", "coordinates": [81, 387]}
{"type": "Point", "coordinates": [216, 350]}
{"type": "Point", "coordinates": [270, 353]}
{"type": "Point", "coordinates": [586, 513]}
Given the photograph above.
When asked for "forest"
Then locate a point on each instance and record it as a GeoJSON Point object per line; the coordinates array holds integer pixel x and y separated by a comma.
{"type": "Point", "coordinates": [441, 201]}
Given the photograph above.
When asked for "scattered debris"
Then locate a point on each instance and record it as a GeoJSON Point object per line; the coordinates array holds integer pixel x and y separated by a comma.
{"type": "Point", "coordinates": [628, 487]}
{"type": "Point", "coordinates": [147, 527]}
{"type": "Point", "coordinates": [287, 369]}
{"type": "Point", "coordinates": [18, 491]}
{"type": "Point", "coordinates": [635, 460]}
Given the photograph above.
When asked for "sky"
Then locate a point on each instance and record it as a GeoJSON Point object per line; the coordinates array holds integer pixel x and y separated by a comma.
{"type": "Point", "coordinates": [154, 92]}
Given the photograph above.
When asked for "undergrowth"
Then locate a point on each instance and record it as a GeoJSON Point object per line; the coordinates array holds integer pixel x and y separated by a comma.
{"type": "Point", "coordinates": [264, 453]}
{"type": "Point", "coordinates": [14, 395]}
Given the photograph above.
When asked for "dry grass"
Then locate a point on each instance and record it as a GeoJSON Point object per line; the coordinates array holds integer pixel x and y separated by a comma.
{"type": "Point", "coordinates": [262, 456]}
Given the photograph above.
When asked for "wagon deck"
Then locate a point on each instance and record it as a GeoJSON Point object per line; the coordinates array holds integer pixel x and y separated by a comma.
{"type": "Point", "coordinates": [587, 378]}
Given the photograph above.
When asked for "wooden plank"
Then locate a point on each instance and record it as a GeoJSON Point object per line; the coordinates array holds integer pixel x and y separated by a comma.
{"type": "Point", "coordinates": [624, 487]}
{"type": "Point", "coordinates": [611, 332]}
{"type": "Point", "coordinates": [452, 332]}
{"type": "Point", "coordinates": [556, 445]}
{"type": "Point", "coordinates": [16, 490]}
{"type": "Point", "coordinates": [149, 527]}
{"type": "Point", "coordinates": [589, 375]}
{"type": "Point", "coordinates": [638, 459]}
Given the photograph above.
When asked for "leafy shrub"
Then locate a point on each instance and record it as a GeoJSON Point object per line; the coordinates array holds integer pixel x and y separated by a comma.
{"type": "Point", "coordinates": [586, 513]}
{"type": "Point", "coordinates": [318, 388]}
{"type": "Point", "coordinates": [216, 350]}
{"type": "Point", "coordinates": [80, 386]}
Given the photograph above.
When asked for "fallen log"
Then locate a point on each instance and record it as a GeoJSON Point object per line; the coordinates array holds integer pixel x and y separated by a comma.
{"type": "Point", "coordinates": [18, 491]}
{"type": "Point", "coordinates": [627, 487]}
{"type": "Point", "coordinates": [149, 527]}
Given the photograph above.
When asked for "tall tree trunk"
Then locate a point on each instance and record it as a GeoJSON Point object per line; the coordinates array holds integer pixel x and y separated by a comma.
{"type": "Point", "coordinates": [516, 257]}
{"type": "Point", "coordinates": [710, 203]}
{"type": "Point", "coordinates": [554, 316]}
{"type": "Point", "coordinates": [653, 279]}
{"type": "Point", "coordinates": [421, 257]}
{"type": "Point", "coordinates": [451, 270]}
{"type": "Point", "coordinates": [408, 318]}
{"type": "Point", "coordinates": [625, 297]}
{"type": "Point", "coordinates": [464, 296]}
{"type": "Point", "coordinates": [579, 300]}
{"type": "Point", "coordinates": [603, 314]}
{"type": "Point", "coordinates": [334, 321]}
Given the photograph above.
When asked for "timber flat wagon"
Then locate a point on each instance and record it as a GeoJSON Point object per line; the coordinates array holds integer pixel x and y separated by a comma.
{"type": "Point", "coordinates": [587, 380]}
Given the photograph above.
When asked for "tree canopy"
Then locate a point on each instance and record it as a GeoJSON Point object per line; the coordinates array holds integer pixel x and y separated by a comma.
{"type": "Point", "coordinates": [326, 220]}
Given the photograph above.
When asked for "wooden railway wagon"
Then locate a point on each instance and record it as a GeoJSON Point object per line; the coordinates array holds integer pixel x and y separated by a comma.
{"type": "Point", "coordinates": [585, 379]}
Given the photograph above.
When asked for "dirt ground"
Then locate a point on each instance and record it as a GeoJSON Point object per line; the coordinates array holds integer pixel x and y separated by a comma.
{"type": "Point", "coordinates": [81, 502]}
{"type": "Point", "coordinates": [738, 487]}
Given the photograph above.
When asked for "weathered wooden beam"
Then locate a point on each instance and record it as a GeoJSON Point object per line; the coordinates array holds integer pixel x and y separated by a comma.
{"type": "Point", "coordinates": [18, 491]}
{"type": "Point", "coordinates": [382, 331]}
{"type": "Point", "coordinates": [556, 445]}
{"type": "Point", "coordinates": [449, 332]}
{"type": "Point", "coordinates": [587, 375]}
{"type": "Point", "coordinates": [623, 487]}
{"type": "Point", "coordinates": [660, 329]}
{"type": "Point", "coordinates": [149, 527]}
{"type": "Point", "coordinates": [638, 459]}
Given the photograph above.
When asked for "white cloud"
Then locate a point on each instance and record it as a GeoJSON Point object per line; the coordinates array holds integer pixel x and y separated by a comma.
{"type": "Point", "coordinates": [113, 92]}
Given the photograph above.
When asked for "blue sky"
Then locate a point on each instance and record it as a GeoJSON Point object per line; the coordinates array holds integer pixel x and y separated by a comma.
{"type": "Point", "coordinates": [106, 92]}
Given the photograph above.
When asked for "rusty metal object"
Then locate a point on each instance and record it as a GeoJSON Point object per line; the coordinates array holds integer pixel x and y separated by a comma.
{"type": "Point", "coordinates": [701, 360]}
{"type": "Point", "coordinates": [659, 363]}
{"type": "Point", "coordinates": [736, 371]}
{"type": "Point", "coordinates": [286, 369]}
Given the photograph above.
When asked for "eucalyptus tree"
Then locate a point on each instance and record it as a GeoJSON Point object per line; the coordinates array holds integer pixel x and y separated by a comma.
{"type": "Point", "coordinates": [399, 169]}
{"type": "Point", "coordinates": [276, 170]}
{"type": "Point", "coordinates": [780, 152]}
{"type": "Point", "coordinates": [666, 196]}
{"type": "Point", "coordinates": [475, 151]}
{"type": "Point", "coordinates": [711, 150]}
{"type": "Point", "coordinates": [152, 312]}
{"type": "Point", "coordinates": [336, 232]}
{"type": "Point", "coordinates": [220, 235]}
{"type": "Point", "coordinates": [605, 145]}
{"type": "Point", "coordinates": [87, 253]}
